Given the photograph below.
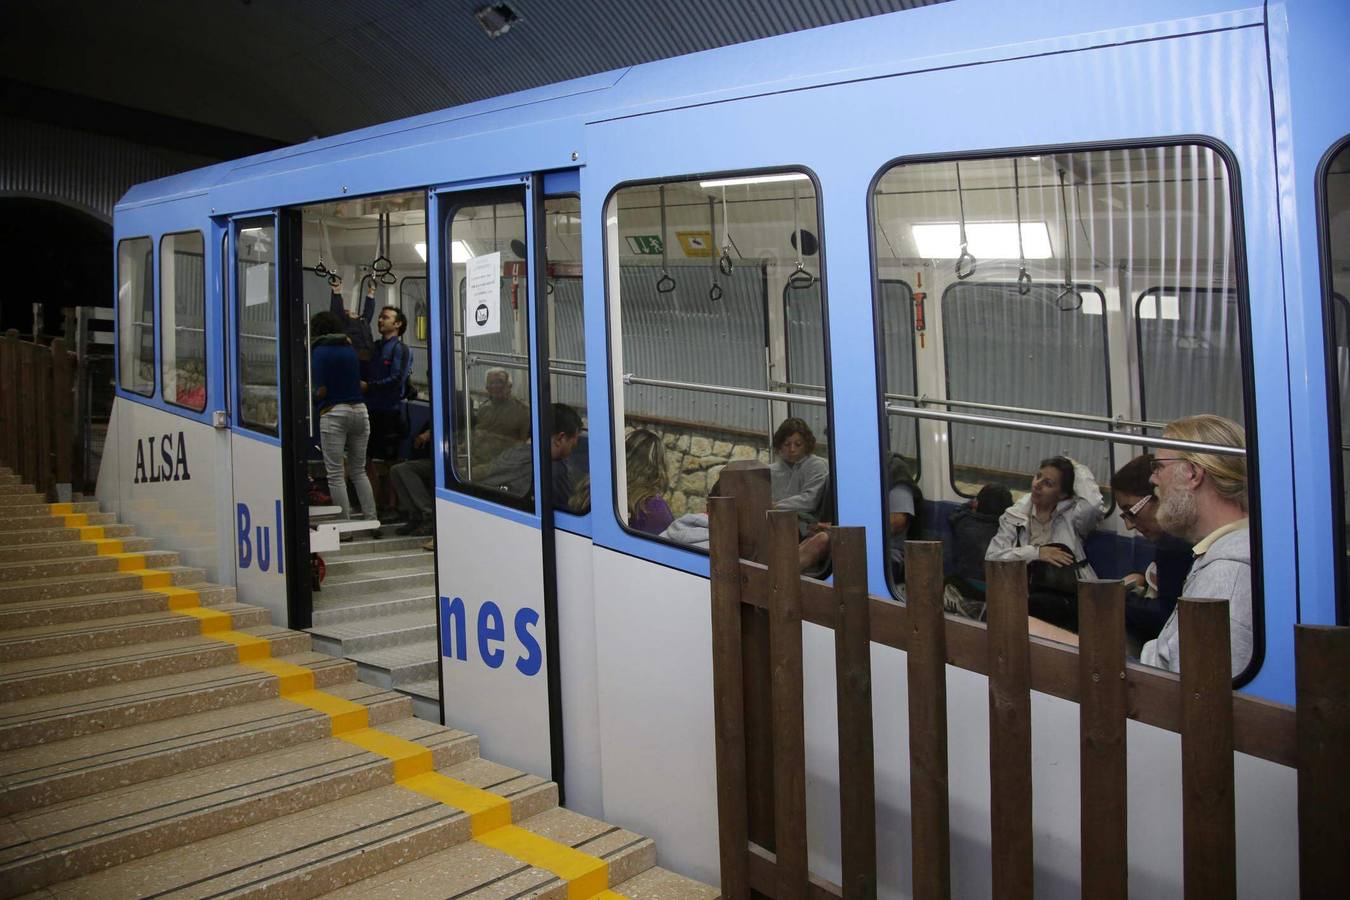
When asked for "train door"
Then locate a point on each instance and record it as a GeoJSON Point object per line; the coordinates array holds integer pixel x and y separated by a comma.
{"type": "Point", "coordinates": [502, 460]}
{"type": "Point", "coordinates": [267, 348]}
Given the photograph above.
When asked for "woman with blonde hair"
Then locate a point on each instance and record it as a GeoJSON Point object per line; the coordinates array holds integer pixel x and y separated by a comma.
{"type": "Point", "coordinates": [648, 480]}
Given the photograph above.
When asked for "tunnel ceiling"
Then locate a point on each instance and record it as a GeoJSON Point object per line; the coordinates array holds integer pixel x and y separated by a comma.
{"type": "Point", "coordinates": [288, 70]}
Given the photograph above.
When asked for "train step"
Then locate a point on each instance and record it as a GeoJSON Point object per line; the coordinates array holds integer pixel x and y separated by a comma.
{"type": "Point", "coordinates": [392, 667]}
{"type": "Point", "coordinates": [414, 560]}
{"type": "Point", "coordinates": [392, 601]}
{"type": "Point", "coordinates": [370, 585]}
{"type": "Point", "coordinates": [375, 633]}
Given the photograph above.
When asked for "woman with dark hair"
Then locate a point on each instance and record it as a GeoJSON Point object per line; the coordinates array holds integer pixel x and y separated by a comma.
{"type": "Point", "coordinates": [798, 478]}
{"type": "Point", "coordinates": [1152, 593]}
{"type": "Point", "coordinates": [344, 425]}
{"type": "Point", "coordinates": [1051, 522]}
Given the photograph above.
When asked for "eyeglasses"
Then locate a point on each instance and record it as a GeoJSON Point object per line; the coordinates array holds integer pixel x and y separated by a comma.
{"type": "Point", "coordinates": [1129, 515]}
{"type": "Point", "coordinates": [1157, 465]}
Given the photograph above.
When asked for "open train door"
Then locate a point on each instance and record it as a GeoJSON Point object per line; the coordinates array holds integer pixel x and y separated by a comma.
{"type": "Point", "coordinates": [494, 522]}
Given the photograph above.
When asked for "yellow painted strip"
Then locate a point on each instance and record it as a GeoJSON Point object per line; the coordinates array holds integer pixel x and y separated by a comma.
{"type": "Point", "coordinates": [180, 598]}
{"type": "Point", "coordinates": [345, 715]}
{"type": "Point", "coordinates": [76, 520]}
{"type": "Point", "coordinates": [293, 678]}
{"type": "Point", "coordinates": [608, 895]}
{"type": "Point", "coordinates": [250, 649]}
{"type": "Point", "coordinates": [106, 546]}
{"type": "Point", "coordinates": [585, 875]}
{"type": "Point", "coordinates": [153, 578]}
{"type": "Point", "coordinates": [487, 811]}
{"type": "Point", "coordinates": [128, 562]}
{"type": "Point", "coordinates": [62, 509]}
{"type": "Point", "coordinates": [213, 621]}
{"type": "Point", "coordinates": [90, 532]}
{"type": "Point", "coordinates": [409, 759]}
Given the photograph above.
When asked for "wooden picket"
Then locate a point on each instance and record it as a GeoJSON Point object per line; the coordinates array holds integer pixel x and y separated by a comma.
{"type": "Point", "coordinates": [37, 411]}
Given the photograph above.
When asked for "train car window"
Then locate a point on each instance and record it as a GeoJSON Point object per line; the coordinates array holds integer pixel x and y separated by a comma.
{"type": "Point", "coordinates": [1334, 221]}
{"type": "Point", "coordinates": [1085, 300]}
{"type": "Point", "coordinates": [136, 315]}
{"type": "Point", "coordinates": [494, 455]}
{"type": "Point", "coordinates": [256, 286]}
{"type": "Point", "coordinates": [567, 336]}
{"type": "Point", "coordinates": [714, 284]}
{"type": "Point", "coordinates": [182, 288]}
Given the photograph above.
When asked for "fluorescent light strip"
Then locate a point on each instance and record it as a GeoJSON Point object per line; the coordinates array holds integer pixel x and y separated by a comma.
{"type": "Point", "coordinates": [986, 240]}
{"type": "Point", "coordinates": [754, 179]}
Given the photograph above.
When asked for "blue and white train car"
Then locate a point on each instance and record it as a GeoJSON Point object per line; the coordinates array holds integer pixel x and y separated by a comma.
{"type": "Point", "coordinates": [703, 246]}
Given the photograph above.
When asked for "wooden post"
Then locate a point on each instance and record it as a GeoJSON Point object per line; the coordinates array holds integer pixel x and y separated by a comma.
{"type": "Point", "coordinates": [1322, 673]}
{"type": "Point", "coordinates": [853, 680]}
{"type": "Point", "coordinates": [1209, 842]}
{"type": "Point", "coordinates": [729, 697]}
{"type": "Point", "coordinates": [43, 418]}
{"type": "Point", "coordinates": [930, 840]}
{"type": "Point", "coordinates": [748, 482]}
{"type": "Point", "coordinates": [1009, 731]}
{"type": "Point", "coordinates": [63, 412]}
{"type": "Point", "coordinates": [27, 412]}
{"type": "Point", "coordinates": [1101, 735]}
{"type": "Point", "coordinates": [789, 738]}
{"type": "Point", "coordinates": [9, 400]}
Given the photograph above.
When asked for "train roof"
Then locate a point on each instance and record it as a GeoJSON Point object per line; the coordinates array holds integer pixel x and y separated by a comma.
{"type": "Point", "coordinates": [946, 35]}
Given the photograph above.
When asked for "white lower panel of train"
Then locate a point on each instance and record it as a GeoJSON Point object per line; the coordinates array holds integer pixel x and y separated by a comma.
{"type": "Point", "coordinates": [654, 667]}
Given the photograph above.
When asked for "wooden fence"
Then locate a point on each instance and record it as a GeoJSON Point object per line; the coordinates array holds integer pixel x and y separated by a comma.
{"type": "Point", "coordinates": [759, 602]}
{"type": "Point", "coordinates": [37, 411]}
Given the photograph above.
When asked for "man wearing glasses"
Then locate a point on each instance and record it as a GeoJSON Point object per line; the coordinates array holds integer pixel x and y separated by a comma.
{"type": "Point", "coordinates": [1202, 498]}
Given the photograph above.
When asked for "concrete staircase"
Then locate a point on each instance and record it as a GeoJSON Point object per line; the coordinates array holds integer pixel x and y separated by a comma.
{"type": "Point", "coordinates": [159, 738]}
{"type": "Point", "coordinates": [377, 608]}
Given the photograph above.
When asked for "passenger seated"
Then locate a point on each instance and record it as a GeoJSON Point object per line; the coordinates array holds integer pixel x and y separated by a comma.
{"type": "Point", "coordinates": [412, 481]}
{"type": "Point", "coordinates": [648, 480]}
{"type": "Point", "coordinates": [798, 479]}
{"type": "Point", "coordinates": [1047, 528]}
{"type": "Point", "coordinates": [903, 501]}
{"type": "Point", "coordinates": [973, 528]}
{"type": "Point", "coordinates": [1202, 499]}
{"type": "Point", "coordinates": [512, 472]}
{"type": "Point", "coordinates": [1152, 594]}
{"type": "Point", "coordinates": [500, 422]}
{"type": "Point", "coordinates": [691, 530]}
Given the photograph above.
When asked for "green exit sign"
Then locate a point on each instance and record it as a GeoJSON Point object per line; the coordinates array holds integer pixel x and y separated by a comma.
{"type": "Point", "coordinates": [646, 244]}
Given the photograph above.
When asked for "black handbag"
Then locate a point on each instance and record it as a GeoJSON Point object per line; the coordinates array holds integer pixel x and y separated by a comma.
{"type": "Point", "coordinates": [1052, 591]}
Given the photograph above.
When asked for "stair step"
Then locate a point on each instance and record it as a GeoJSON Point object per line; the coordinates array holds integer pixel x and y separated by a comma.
{"type": "Point", "coordinates": [78, 837]}
{"type": "Point", "coordinates": [72, 549]}
{"type": "Point", "coordinates": [51, 529]}
{"type": "Point", "coordinates": [25, 678]}
{"type": "Point", "coordinates": [79, 586]}
{"type": "Point", "coordinates": [32, 505]}
{"type": "Point", "coordinates": [392, 667]}
{"type": "Point", "coordinates": [47, 521]}
{"type": "Point", "coordinates": [56, 717]}
{"type": "Point", "coordinates": [69, 638]}
{"type": "Point", "coordinates": [375, 633]}
{"type": "Point", "coordinates": [52, 773]}
{"type": "Point", "coordinates": [396, 601]}
{"type": "Point", "coordinates": [475, 869]}
{"type": "Point", "coordinates": [367, 586]}
{"type": "Point", "coordinates": [31, 613]}
{"type": "Point", "coordinates": [33, 570]}
{"type": "Point", "coordinates": [340, 570]}
{"type": "Point", "coordinates": [662, 884]}
{"type": "Point", "coordinates": [10, 484]}
{"type": "Point", "coordinates": [29, 498]}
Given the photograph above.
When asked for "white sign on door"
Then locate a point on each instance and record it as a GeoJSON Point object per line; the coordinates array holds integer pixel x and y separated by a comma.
{"type": "Point", "coordinates": [483, 296]}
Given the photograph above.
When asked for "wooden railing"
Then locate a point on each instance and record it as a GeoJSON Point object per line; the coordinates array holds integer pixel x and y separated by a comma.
{"type": "Point", "coordinates": [759, 602]}
{"type": "Point", "coordinates": [37, 411]}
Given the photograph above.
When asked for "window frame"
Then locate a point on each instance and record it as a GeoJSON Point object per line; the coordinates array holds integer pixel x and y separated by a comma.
{"type": "Point", "coordinates": [561, 504]}
{"type": "Point", "coordinates": [1334, 423]}
{"type": "Point", "coordinates": [450, 293]}
{"type": "Point", "coordinates": [263, 220]}
{"type": "Point", "coordinates": [612, 365]}
{"type": "Point", "coordinates": [152, 272]}
{"type": "Point", "coordinates": [1233, 176]}
{"type": "Point", "coordinates": [206, 324]}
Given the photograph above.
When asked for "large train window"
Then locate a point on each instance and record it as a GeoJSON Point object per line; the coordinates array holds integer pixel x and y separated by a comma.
{"type": "Point", "coordinates": [491, 348]}
{"type": "Point", "coordinates": [136, 315]}
{"type": "Point", "coordinates": [256, 286]}
{"type": "Point", "coordinates": [567, 335]}
{"type": "Point", "coordinates": [182, 288]}
{"type": "Point", "coordinates": [714, 286]}
{"type": "Point", "coordinates": [1335, 227]}
{"type": "Point", "coordinates": [1085, 300]}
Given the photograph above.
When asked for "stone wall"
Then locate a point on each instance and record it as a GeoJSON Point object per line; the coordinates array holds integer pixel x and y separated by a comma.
{"type": "Point", "coordinates": [695, 456]}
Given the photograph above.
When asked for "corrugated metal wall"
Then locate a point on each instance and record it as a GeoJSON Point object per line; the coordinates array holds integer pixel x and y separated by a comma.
{"type": "Point", "coordinates": [87, 171]}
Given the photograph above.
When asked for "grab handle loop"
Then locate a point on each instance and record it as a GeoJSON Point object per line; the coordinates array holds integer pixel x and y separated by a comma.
{"type": "Point", "coordinates": [801, 279]}
{"type": "Point", "coordinates": [1075, 299]}
{"type": "Point", "coordinates": [1023, 281]}
{"type": "Point", "coordinates": [965, 263]}
{"type": "Point", "coordinates": [725, 263]}
{"type": "Point", "coordinates": [666, 284]}
{"type": "Point", "coordinates": [334, 279]}
{"type": "Point", "coordinates": [715, 292]}
{"type": "Point", "coordinates": [320, 269]}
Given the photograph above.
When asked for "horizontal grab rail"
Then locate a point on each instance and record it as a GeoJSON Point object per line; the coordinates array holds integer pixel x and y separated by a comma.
{"type": "Point", "coordinates": [1141, 440]}
{"type": "Point", "coordinates": [749, 393]}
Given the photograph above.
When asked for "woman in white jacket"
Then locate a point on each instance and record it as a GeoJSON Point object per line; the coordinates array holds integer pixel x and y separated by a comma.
{"type": "Point", "coordinates": [1063, 507]}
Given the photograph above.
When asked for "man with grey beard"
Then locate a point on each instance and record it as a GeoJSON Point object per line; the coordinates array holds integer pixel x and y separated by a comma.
{"type": "Point", "coordinates": [1202, 498]}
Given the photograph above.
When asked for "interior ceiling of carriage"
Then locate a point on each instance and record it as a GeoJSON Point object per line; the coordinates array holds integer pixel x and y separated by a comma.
{"type": "Point", "coordinates": [283, 71]}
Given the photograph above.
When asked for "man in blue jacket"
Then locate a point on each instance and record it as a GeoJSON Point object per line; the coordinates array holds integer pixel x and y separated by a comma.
{"type": "Point", "coordinates": [386, 380]}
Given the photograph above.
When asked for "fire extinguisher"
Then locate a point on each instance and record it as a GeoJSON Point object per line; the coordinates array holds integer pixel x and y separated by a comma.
{"type": "Point", "coordinates": [420, 318]}
{"type": "Point", "coordinates": [920, 321]}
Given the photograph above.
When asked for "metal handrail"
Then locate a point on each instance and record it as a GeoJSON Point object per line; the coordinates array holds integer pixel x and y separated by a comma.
{"type": "Point", "coordinates": [553, 370]}
{"type": "Point", "coordinates": [749, 393]}
{"type": "Point", "coordinates": [1139, 440]}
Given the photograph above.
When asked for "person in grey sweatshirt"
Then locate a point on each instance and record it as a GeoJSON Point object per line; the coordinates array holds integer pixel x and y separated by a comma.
{"type": "Point", "coordinates": [798, 478]}
{"type": "Point", "coordinates": [1202, 498]}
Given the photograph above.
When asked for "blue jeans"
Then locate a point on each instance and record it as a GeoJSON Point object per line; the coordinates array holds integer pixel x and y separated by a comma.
{"type": "Point", "coordinates": [344, 430]}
